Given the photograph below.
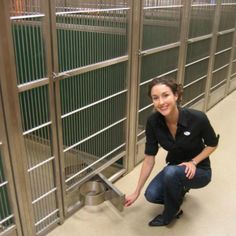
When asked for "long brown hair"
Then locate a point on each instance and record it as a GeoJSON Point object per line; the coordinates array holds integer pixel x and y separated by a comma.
{"type": "Point", "coordinates": [171, 83]}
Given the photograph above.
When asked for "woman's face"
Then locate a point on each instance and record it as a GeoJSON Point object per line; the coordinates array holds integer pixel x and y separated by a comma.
{"type": "Point", "coordinates": [164, 100]}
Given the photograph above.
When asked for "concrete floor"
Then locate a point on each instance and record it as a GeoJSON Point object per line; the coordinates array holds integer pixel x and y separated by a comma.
{"type": "Point", "coordinates": [208, 211]}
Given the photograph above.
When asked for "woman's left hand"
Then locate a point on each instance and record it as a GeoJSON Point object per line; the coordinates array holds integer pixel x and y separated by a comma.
{"type": "Point", "coordinates": [190, 169]}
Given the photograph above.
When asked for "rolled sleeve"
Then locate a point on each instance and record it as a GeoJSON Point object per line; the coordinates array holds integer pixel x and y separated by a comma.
{"type": "Point", "coordinates": [209, 136]}
{"type": "Point", "coordinates": [151, 145]}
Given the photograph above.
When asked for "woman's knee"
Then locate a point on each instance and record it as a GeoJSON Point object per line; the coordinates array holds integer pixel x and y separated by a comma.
{"type": "Point", "coordinates": [149, 195]}
{"type": "Point", "coordinates": [173, 172]}
{"type": "Point", "coordinates": [152, 196]}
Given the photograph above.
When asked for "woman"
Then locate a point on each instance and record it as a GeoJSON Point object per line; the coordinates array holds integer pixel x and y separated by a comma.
{"type": "Point", "coordinates": [188, 137]}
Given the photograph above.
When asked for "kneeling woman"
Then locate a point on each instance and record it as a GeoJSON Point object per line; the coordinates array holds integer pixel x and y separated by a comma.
{"type": "Point", "coordinates": [188, 137]}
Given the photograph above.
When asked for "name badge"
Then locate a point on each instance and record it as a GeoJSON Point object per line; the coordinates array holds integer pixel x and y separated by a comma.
{"type": "Point", "coordinates": [187, 133]}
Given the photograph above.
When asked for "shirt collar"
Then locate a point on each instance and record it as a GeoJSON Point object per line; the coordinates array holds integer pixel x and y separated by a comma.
{"type": "Point", "coordinates": [182, 118]}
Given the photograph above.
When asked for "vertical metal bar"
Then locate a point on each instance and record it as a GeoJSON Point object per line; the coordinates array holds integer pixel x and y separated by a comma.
{"type": "Point", "coordinates": [227, 89]}
{"type": "Point", "coordinates": [184, 31]}
{"type": "Point", "coordinates": [212, 54]}
{"type": "Point", "coordinates": [49, 10]}
{"type": "Point", "coordinates": [55, 69]}
{"type": "Point", "coordinates": [8, 170]}
{"type": "Point", "coordinates": [13, 120]}
{"type": "Point", "coordinates": [135, 34]}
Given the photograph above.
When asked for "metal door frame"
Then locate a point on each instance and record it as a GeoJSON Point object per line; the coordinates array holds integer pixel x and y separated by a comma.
{"type": "Point", "coordinates": [15, 229]}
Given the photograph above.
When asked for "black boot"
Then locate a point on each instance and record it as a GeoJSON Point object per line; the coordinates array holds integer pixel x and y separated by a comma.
{"type": "Point", "coordinates": [159, 220]}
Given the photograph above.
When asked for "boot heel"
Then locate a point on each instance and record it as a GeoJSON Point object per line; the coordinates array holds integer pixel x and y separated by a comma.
{"type": "Point", "coordinates": [179, 214]}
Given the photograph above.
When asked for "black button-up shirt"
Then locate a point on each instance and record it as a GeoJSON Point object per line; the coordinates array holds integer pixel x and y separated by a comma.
{"type": "Point", "coordinates": [194, 132]}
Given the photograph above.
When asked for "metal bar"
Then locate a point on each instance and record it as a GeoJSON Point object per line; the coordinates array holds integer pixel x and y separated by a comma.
{"type": "Point", "coordinates": [196, 39]}
{"type": "Point", "coordinates": [33, 84]}
{"type": "Point", "coordinates": [159, 76]}
{"type": "Point", "coordinates": [222, 51]}
{"type": "Point", "coordinates": [26, 17]}
{"type": "Point", "coordinates": [37, 128]}
{"type": "Point", "coordinates": [195, 81]}
{"type": "Point", "coordinates": [92, 11]}
{"type": "Point", "coordinates": [44, 195]}
{"type": "Point", "coordinates": [88, 68]}
{"type": "Point", "coordinates": [3, 183]}
{"type": "Point", "coordinates": [88, 28]}
{"type": "Point", "coordinates": [6, 219]}
{"type": "Point", "coordinates": [221, 68]}
{"type": "Point", "coordinates": [231, 62]}
{"type": "Point", "coordinates": [203, 5]}
{"type": "Point", "coordinates": [117, 175]}
{"type": "Point", "coordinates": [228, 4]}
{"type": "Point", "coordinates": [13, 122]}
{"type": "Point", "coordinates": [41, 164]}
{"type": "Point", "coordinates": [46, 217]}
{"type": "Point", "coordinates": [186, 10]}
{"type": "Point", "coordinates": [92, 104]}
{"type": "Point", "coordinates": [50, 226]}
{"type": "Point", "coordinates": [195, 99]}
{"type": "Point", "coordinates": [134, 63]}
{"type": "Point", "coordinates": [226, 32]}
{"type": "Point", "coordinates": [194, 62]}
{"type": "Point", "coordinates": [145, 108]}
{"type": "Point", "coordinates": [98, 170]}
{"type": "Point", "coordinates": [94, 163]}
{"type": "Point", "coordinates": [159, 49]}
{"type": "Point", "coordinates": [163, 7]}
{"type": "Point", "coordinates": [6, 162]}
{"type": "Point", "coordinates": [218, 85]}
{"type": "Point", "coordinates": [49, 31]}
{"type": "Point", "coordinates": [93, 135]}
{"type": "Point", "coordinates": [55, 44]}
{"type": "Point", "coordinates": [141, 133]}
{"type": "Point", "coordinates": [212, 55]}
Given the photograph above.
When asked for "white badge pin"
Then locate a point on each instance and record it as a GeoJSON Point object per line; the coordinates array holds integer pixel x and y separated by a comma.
{"type": "Point", "coordinates": [187, 133]}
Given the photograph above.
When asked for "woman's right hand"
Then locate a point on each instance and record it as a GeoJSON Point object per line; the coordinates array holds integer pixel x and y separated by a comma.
{"type": "Point", "coordinates": [129, 200]}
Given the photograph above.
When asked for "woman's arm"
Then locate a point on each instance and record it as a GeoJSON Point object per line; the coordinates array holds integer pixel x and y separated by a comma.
{"type": "Point", "coordinates": [146, 170]}
{"type": "Point", "coordinates": [191, 165]}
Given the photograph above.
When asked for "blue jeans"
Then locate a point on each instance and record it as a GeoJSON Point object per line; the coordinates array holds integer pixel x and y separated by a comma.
{"type": "Point", "coordinates": [167, 188]}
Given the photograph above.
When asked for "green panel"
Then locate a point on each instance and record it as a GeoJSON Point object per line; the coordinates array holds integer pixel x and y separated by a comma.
{"type": "Point", "coordinates": [198, 50]}
{"type": "Point", "coordinates": [98, 146]}
{"type": "Point", "coordinates": [227, 17]}
{"type": "Point", "coordinates": [34, 107]}
{"type": "Point", "coordinates": [105, 142]}
{"type": "Point", "coordinates": [195, 71]}
{"type": "Point", "coordinates": [159, 63]}
{"type": "Point", "coordinates": [222, 59]}
{"type": "Point", "coordinates": [142, 118]}
{"type": "Point", "coordinates": [224, 41]}
{"type": "Point", "coordinates": [78, 47]}
{"type": "Point", "coordinates": [29, 52]}
{"type": "Point", "coordinates": [82, 124]}
{"type": "Point", "coordinates": [79, 91]}
{"type": "Point", "coordinates": [219, 76]}
{"type": "Point", "coordinates": [201, 22]}
{"type": "Point", "coordinates": [161, 27]}
{"type": "Point", "coordinates": [194, 90]}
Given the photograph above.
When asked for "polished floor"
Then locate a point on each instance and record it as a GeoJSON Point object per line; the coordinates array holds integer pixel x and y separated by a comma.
{"type": "Point", "coordinates": [208, 211]}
